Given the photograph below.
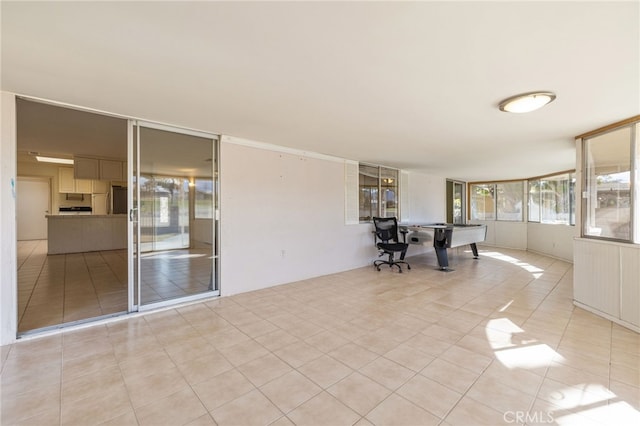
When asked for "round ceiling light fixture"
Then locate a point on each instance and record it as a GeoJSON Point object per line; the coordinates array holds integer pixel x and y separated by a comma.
{"type": "Point", "coordinates": [526, 102]}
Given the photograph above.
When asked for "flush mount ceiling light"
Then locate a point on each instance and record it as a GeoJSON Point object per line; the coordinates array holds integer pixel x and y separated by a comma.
{"type": "Point", "coordinates": [526, 102]}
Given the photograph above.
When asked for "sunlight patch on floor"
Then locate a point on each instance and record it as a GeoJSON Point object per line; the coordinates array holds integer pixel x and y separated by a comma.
{"type": "Point", "coordinates": [535, 271]}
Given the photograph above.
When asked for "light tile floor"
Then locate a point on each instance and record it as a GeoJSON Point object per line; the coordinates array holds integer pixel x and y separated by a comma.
{"type": "Point", "coordinates": [57, 289]}
{"type": "Point", "coordinates": [497, 341]}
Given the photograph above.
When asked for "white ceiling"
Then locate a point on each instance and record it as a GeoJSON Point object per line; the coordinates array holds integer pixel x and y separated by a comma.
{"type": "Point", "coordinates": [413, 85]}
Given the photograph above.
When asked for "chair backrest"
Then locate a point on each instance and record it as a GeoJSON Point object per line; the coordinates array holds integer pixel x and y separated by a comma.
{"type": "Point", "coordinates": [386, 228]}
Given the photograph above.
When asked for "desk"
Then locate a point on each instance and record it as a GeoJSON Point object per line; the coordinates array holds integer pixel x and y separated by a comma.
{"type": "Point", "coordinates": [445, 235]}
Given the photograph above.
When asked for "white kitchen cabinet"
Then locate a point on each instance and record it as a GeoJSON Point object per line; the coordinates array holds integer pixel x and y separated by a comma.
{"type": "Point", "coordinates": [68, 185]}
{"type": "Point", "coordinates": [86, 168]}
{"type": "Point", "coordinates": [110, 170]}
{"type": "Point", "coordinates": [84, 186]}
{"type": "Point", "coordinates": [66, 182]}
{"type": "Point", "coordinates": [100, 187]}
{"type": "Point", "coordinates": [98, 169]}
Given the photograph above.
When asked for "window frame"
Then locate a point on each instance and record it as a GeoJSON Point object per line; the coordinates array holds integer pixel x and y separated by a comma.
{"type": "Point", "coordinates": [382, 173]}
{"type": "Point", "coordinates": [493, 185]}
{"type": "Point", "coordinates": [571, 182]}
{"type": "Point", "coordinates": [634, 166]}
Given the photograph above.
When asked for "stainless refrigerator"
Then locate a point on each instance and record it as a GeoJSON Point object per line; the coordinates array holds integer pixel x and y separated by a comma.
{"type": "Point", "coordinates": [119, 200]}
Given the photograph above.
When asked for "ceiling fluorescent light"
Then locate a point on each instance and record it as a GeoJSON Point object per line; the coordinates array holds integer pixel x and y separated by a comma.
{"type": "Point", "coordinates": [526, 102]}
{"type": "Point", "coordinates": [54, 160]}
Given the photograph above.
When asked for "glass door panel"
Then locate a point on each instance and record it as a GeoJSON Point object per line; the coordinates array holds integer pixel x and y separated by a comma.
{"type": "Point", "coordinates": [175, 204]}
{"type": "Point", "coordinates": [458, 203]}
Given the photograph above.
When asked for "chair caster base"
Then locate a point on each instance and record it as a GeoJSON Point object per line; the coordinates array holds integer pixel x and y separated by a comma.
{"type": "Point", "coordinates": [391, 265]}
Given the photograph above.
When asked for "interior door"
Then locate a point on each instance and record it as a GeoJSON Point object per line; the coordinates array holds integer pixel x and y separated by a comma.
{"type": "Point", "coordinates": [173, 223]}
{"type": "Point", "coordinates": [32, 204]}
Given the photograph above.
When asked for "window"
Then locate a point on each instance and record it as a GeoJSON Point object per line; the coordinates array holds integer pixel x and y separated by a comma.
{"type": "Point", "coordinates": [379, 196]}
{"type": "Point", "coordinates": [509, 201]}
{"type": "Point", "coordinates": [552, 199]}
{"type": "Point", "coordinates": [483, 206]}
{"type": "Point", "coordinates": [203, 198]}
{"type": "Point", "coordinates": [497, 201]}
{"type": "Point", "coordinates": [608, 196]}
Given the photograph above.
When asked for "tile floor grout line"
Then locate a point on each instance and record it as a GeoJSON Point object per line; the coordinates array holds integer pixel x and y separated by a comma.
{"type": "Point", "coordinates": [33, 289]}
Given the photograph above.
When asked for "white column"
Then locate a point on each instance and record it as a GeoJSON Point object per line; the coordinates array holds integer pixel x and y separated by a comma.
{"type": "Point", "coordinates": [8, 263]}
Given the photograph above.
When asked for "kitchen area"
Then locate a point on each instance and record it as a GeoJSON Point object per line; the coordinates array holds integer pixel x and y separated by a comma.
{"type": "Point", "coordinates": [71, 197]}
{"type": "Point", "coordinates": [93, 209]}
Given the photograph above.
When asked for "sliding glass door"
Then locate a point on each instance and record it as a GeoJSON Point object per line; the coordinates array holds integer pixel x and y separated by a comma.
{"type": "Point", "coordinates": [173, 219]}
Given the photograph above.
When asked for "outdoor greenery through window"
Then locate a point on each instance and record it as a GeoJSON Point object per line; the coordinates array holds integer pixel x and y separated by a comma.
{"type": "Point", "coordinates": [552, 199]}
{"type": "Point", "coordinates": [497, 201]}
{"type": "Point", "coordinates": [608, 195]}
{"type": "Point", "coordinates": [378, 192]}
{"type": "Point", "coordinates": [483, 205]}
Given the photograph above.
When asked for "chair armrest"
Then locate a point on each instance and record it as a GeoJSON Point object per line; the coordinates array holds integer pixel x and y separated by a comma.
{"type": "Point", "coordinates": [404, 231]}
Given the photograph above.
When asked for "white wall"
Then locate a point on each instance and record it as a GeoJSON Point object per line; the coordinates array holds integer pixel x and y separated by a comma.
{"type": "Point", "coordinates": [427, 198]}
{"type": "Point", "coordinates": [282, 219]}
{"type": "Point", "coordinates": [427, 204]}
{"type": "Point", "coordinates": [8, 262]}
{"type": "Point", "coordinates": [505, 234]}
{"type": "Point", "coordinates": [552, 240]}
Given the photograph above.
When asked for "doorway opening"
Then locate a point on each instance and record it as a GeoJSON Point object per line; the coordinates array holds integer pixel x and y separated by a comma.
{"type": "Point", "coordinates": [124, 218]}
{"type": "Point", "coordinates": [455, 202]}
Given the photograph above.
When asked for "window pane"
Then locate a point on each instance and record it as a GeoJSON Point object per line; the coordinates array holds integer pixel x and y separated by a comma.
{"type": "Point", "coordinates": [203, 198]}
{"type": "Point", "coordinates": [552, 199]}
{"type": "Point", "coordinates": [389, 186]}
{"type": "Point", "coordinates": [509, 200]}
{"type": "Point", "coordinates": [379, 194]}
{"type": "Point", "coordinates": [607, 185]}
{"type": "Point", "coordinates": [556, 194]}
{"type": "Point", "coordinates": [482, 202]}
{"type": "Point", "coordinates": [368, 192]}
{"type": "Point", "coordinates": [534, 201]}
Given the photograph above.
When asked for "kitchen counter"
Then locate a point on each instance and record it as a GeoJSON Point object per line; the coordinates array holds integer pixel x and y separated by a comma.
{"type": "Point", "coordinates": [85, 233]}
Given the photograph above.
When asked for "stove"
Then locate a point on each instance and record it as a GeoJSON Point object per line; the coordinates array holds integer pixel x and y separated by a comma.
{"type": "Point", "coordinates": [77, 210]}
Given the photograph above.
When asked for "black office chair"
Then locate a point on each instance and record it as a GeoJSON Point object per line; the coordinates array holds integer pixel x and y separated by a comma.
{"type": "Point", "coordinates": [387, 232]}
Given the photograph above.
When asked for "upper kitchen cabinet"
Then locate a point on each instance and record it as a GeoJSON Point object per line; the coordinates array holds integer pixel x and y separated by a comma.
{"type": "Point", "coordinates": [86, 168]}
{"type": "Point", "coordinates": [111, 170]}
{"type": "Point", "coordinates": [100, 187]}
{"type": "Point", "coordinates": [98, 169]}
{"type": "Point", "coordinates": [67, 184]}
